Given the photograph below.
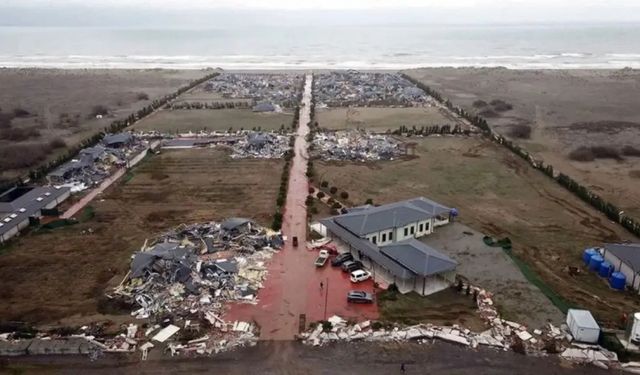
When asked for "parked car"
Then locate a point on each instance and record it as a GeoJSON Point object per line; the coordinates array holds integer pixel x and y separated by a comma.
{"type": "Point", "coordinates": [341, 258]}
{"type": "Point", "coordinates": [322, 258]}
{"type": "Point", "coordinates": [359, 275]}
{"type": "Point", "coordinates": [359, 296]}
{"type": "Point", "coordinates": [351, 265]}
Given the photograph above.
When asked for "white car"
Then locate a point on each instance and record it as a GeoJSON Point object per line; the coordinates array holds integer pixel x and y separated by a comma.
{"type": "Point", "coordinates": [360, 275]}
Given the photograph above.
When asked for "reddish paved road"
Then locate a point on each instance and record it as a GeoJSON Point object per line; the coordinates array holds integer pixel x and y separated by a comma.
{"type": "Point", "coordinates": [293, 284]}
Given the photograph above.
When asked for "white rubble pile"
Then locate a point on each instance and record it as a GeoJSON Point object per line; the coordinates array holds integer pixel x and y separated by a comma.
{"type": "Point", "coordinates": [355, 145]}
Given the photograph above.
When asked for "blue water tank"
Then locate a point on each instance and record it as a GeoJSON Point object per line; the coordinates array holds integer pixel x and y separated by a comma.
{"type": "Point", "coordinates": [453, 212]}
{"type": "Point", "coordinates": [605, 269]}
{"type": "Point", "coordinates": [617, 280]}
{"type": "Point", "coordinates": [595, 262]}
{"type": "Point", "coordinates": [588, 253]}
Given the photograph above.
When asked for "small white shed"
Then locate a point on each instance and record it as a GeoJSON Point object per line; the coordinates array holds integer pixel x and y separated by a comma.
{"type": "Point", "coordinates": [583, 326]}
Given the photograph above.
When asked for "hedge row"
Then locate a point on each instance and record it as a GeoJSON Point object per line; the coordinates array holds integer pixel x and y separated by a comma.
{"type": "Point", "coordinates": [276, 224]}
{"type": "Point", "coordinates": [114, 127]}
{"type": "Point", "coordinates": [610, 210]}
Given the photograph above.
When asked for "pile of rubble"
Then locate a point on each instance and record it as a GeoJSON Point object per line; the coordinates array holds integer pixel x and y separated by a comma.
{"type": "Point", "coordinates": [94, 164]}
{"type": "Point", "coordinates": [261, 145]}
{"type": "Point", "coordinates": [185, 278]}
{"type": "Point", "coordinates": [355, 146]}
{"type": "Point", "coordinates": [353, 88]}
{"type": "Point", "coordinates": [272, 89]}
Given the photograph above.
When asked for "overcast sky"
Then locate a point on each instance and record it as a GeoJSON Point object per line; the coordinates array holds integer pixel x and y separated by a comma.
{"type": "Point", "coordinates": [193, 12]}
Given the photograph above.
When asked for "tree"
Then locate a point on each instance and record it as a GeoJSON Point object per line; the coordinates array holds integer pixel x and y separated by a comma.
{"type": "Point", "coordinates": [369, 201]}
{"type": "Point", "coordinates": [344, 195]}
{"type": "Point", "coordinates": [311, 190]}
{"type": "Point", "coordinates": [324, 184]}
{"type": "Point", "coordinates": [333, 190]}
{"type": "Point", "coordinates": [320, 195]}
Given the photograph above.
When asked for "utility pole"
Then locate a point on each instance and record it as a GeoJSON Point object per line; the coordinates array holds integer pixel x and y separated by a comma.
{"type": "Point", "coordinates": [326, 298]}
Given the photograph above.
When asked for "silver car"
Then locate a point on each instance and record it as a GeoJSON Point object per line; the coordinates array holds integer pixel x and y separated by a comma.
{"type": "Point", "coordinates": [359, 296]}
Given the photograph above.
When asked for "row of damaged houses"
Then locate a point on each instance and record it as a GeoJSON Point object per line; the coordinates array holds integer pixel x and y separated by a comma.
{"type": "Point", "coordinates": [353, 88]}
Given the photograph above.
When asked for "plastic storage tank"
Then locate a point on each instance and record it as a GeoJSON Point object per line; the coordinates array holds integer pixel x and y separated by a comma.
{"type": "Point", "coordinates": [634, 335]}
{"type": "Point", "coordinates": [595, 262]}
{"type": "Point", "coordinates": [605, 269]}
{"type": "Point", "coordinates": [618, 280]}
{"type": "Point", "coordinates": [588, 253]}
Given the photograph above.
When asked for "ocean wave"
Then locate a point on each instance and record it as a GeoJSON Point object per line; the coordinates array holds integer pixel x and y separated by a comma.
{"type": "Point", "coordinates": [274, 62]}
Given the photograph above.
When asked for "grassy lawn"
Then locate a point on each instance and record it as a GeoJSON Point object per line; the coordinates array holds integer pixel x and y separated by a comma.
{"type": "Point", "coordinates": [172, 121]}
{"type": "Point", "coordinates": [379, 119]}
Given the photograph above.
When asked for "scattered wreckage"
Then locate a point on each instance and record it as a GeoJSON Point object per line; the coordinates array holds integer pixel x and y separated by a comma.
{"type": "Point", "coordinates": [94, 164]}
{"type": "Point", "coordinates": [268, 91]}
{"type": "Point", "coordinates": [186, 277]}
{"type": "Point", "coordinates": [502, 335]}
{"type": "Point", "coordinates": [355, 145]}
{"type": "Point", "coordinates": [353, 88]}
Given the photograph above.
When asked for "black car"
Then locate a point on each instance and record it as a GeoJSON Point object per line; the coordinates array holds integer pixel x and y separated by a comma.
{"type": "Point", "coordinates": [359, 296]}
{"type": "Point", "coordinates": [351, 265]}
{"type": "Point", "coordinates": [341, 258]}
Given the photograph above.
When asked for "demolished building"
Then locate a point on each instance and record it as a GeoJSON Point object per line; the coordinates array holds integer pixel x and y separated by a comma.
{"type": "Point", "coordinates": [355, 145]}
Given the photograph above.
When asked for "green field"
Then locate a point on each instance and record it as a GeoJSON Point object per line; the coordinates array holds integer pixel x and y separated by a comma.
{"type": "Point", "coordinates": [221, 119]}
{"type": "Point", "coordinates": [379, 119]}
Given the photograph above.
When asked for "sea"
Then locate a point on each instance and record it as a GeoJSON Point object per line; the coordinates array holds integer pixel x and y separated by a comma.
{"type": "Point", "coordinates": [535, 46]}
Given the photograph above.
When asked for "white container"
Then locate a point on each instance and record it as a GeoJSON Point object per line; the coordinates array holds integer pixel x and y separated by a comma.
{"type": "Point", "coordinates": [583, 326]}
{"type": "Point", "coordinates": [634, 334]}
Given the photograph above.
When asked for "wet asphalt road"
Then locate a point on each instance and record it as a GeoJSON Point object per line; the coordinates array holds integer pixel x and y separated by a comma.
{"type": "Point", "coordinates": [288, 357]}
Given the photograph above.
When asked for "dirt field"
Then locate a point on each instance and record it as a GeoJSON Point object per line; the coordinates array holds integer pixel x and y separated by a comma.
{"type": "Point", "coordinates": [498, 194]}
{"type": "Point", "coordinates": [379, 119]}
{"type": "Point", "coordinates": [216, 119]}
{"type": "Point", "coordinates": [62, 274]}
{"type": "Point", "coordinates": [58, 105]}
{"type": "Point", "coordinates": [566, 110]}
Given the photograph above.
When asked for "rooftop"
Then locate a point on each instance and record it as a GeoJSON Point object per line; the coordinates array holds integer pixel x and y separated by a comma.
{"type": "Point", "coordinates": [368, 219]}
{"type": "Point", "coordinates": [26, 205]}
{"type": "Point", "coordinates": [421, 259]}
{"type": "Point", "coordinates": [629, 253]}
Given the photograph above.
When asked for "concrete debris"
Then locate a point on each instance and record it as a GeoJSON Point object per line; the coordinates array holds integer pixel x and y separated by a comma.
{"type": "Point", "coordinates": [355, 146]}
{"type": "Point", "coordinates": [275, 89]}
{"type": "Point", "coordinates": [166, 333]}
{"type": "Point", "coordinates": [94, 164]}
{"type": "Point", "coordinates": [353, 88]}
{"type": "Point", "coordinates": [242, 144]}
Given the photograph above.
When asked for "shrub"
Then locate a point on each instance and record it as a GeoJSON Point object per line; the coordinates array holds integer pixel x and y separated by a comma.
{"type": "Point", "coordinates": [326, 326]}
{"type": "Point", "coordinates": [333, 190]}
{"type": "Point", "coordinates": [57, 143]}
{"type": "Point", "coordinates": [344, 195]}
{"type": "Point", "coordinates": [584, 153]}
{"type": "Point", "coordinates": [311, 190]}
{"type": "Point", "coordinates": [520, 131]}
{"type": "Point", "coordinates": [501, 105]}
{"type": "Point", "coordinates": [330, 201]}
{"type": "Point", "coordinates": [368, 201]}
{"type": "Point", "coordinates": [630, 151]}
{"type": "Point", "coordinates": [19, 134]}
{"type": "Point", "coordinates": [320, 195]}
{"type": "Point", "coordinates": [336, 205]}
{"type": "Point", "coordinates": [480, 104]}
{"type": "Point", "coordinates": [142, 96]}
{"type": "Point", "coordinates": [324, 184]}
{"type": "Point", "coordinates": [313, 210]}
{"type": "Point", "coordinates": [21, 112]}
{"type": "Point", "coordinates": [99, 110]}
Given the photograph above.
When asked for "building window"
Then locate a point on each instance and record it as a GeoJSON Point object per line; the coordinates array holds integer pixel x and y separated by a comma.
{"type": "Point", "coordinates": [384, 237]}
{"type": "Point", "coordinates": [374, 239]}
{"type": "Point", "coordinates": [391, 236]}
{"type": "Point", "coordinates": [413, 229]}
{"type": "Point", "coordinates": [426, 227]}
{"type": "Point", "coordinates": [406, 232]}
{"type": "Point", "coordinates": [421, 228]}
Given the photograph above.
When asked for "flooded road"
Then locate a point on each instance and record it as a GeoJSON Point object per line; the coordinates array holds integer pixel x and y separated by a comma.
{"type": "Point", "coordinates": [284, 296]}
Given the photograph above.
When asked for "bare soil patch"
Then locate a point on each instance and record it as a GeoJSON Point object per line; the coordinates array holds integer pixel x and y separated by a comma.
{"type": "Point", "coordinates": [62, 275]}
{"type": "Point", "coordinates": [498, 194]}
{"type": "Point", "coordinates": [379, 119]}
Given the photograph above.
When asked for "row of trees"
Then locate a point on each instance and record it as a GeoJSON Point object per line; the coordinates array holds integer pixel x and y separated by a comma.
{"type": "Point", "coordinates": [610, 210]}
{"type": "Point", "coordinates": [211, 105]}
{"type": "Point", "coordinates": [114, 127]}
{"type": "Point", "coordinates": [276, 223]}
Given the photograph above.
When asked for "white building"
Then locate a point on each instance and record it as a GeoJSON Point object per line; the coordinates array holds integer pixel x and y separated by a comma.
{"type": "Point", "coordinates": [20, 205]}
{"type": "Point", "coordinates": [383, 238]}
{"type": "Point", "coordinates": [625, 258]}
